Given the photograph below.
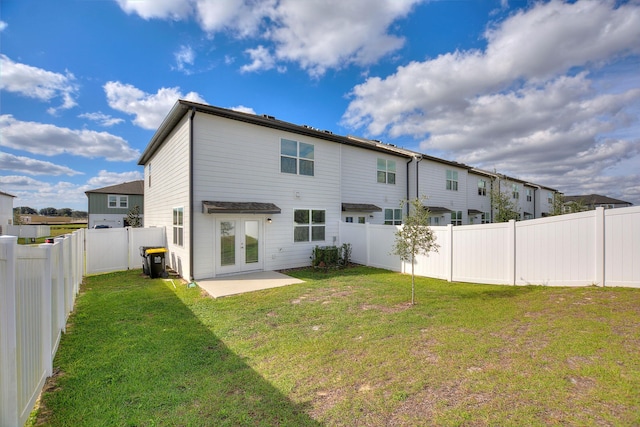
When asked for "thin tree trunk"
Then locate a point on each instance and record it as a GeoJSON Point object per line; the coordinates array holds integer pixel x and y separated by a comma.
{"type": "Point", "coordinates": [413, 283]}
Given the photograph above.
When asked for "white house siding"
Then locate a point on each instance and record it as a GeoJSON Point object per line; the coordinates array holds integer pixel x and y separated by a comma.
{"type": "Point", "coordinates": [432, 177]}
{"type": "Point", "coordinates": [476, 201]}
{"type": "Point", "coordinates": [240, 162]}
{"type": "Point", "coordinates": [169, 189]}
{"type": "Point", "coordinates": [360, 184]}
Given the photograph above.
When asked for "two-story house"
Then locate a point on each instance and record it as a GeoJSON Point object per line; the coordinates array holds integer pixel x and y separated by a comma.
{"type": "Point", "coordinates": [239, 192]}
{"type": "Point", "coordinates": [110, 206]}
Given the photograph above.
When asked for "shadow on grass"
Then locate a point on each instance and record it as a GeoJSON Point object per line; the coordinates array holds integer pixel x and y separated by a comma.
{"type": "Point", "coordinates": [134, 354]}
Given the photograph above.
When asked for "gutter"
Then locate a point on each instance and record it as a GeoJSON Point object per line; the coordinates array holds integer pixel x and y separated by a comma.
{"type": "Point", "coordinates": [410, 160]}
{"type": "Point", "coordinates": [191, 227]}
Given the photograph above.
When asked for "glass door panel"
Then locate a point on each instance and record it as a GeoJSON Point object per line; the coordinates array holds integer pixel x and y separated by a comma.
{"type": "Point", "coordinates": [227, 243]}
{"type": "Point", "coordinates": [252, 241]}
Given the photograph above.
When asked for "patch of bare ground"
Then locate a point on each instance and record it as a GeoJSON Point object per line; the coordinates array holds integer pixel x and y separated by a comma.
{"type": "Point", "coordinates": [50, 385]}
{"type": "Point", "coordinates": [324, 295]}
{"type": "Point", "coordinates": [325, 400]}
{"type": "Point", "coordinates": [387, 309]}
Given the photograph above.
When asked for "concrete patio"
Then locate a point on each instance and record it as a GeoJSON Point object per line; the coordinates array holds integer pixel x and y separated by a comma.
{"type": "Point", "coordinates": [242, 283]}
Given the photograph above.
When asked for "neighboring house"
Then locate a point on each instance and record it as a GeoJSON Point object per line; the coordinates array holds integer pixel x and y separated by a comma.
{"type": "Point", "coordinates": [592, 201]}
{"type": "Point", "coordinates": [6, 210]}
{"type": "Point", "coordinates": [240, 192]}
{"type": "Point", "coordinates": [109, 206]}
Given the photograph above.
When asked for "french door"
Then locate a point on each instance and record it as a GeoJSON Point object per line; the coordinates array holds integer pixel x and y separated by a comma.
{"type": "Point", "coordinates": [238, 245]}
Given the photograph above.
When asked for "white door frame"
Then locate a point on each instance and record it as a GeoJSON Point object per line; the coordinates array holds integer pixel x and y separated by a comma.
{"type": "Point", "coordinates": [236, 261]}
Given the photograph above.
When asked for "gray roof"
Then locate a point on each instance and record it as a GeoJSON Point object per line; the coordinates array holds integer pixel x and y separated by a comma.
{"type": "Point", "coordinates": [595, 199]}
{"type": "Point", "coordinates": [6, 194]}
{"type": "Point", "coordinates": [360, 207]}
{"type": "Point", "coordinates": [128, 188]}
{"type": "Point", "coordinates": [240, 207]}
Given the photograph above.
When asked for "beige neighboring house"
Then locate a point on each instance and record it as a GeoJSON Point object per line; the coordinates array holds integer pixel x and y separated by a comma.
{"type": "Point", "coordinates": [6, 210]}
{"type": "Point", "coordinates": [109, 206]}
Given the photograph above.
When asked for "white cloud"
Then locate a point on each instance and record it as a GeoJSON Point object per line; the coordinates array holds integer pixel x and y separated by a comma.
{"type": "Point", "coordinates": [31, 166]}
{"type": "Point", "coordinates": [37, 83]}
{"type": "Point", "coordinates": [532, 101]}
{"type": "Point", "coordinates": [243, 109]}
{"type": "Point", "coordinates": [106, 178]}
{"type": "Point", "coordinates": [149, 109]}
{"type": "Point", "coordinates": [40, 194]}
{"type": "Point", "coordinates": [101, 118]}
{"type": "Point", "coordinates": [316, 34]}
{"type": "Point", "coordinates": [50, 140]}
{"type": "Point", "coordinates": [185, 56]}
{"type": "Point", "coordinates": [3, 26]}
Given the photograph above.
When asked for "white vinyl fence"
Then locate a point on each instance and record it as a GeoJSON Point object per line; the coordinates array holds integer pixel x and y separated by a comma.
{"type": "Point", "coordinates": [600, 247]}
{"type": "Point", "coordinates": [38, 286]}
{"type": "Point", "coordinates": [117, 249]}
{"type": "Point", "coordinates": [27, 231]}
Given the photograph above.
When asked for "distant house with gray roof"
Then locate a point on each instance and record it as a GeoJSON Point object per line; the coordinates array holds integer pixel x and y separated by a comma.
{"type": "Point", "coordinates": [592, 201]}
{"type": "Point", "coordinates": [109, 206]}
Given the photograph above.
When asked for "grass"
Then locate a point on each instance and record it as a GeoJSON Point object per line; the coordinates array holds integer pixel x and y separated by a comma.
{"type": "Point", "coordinates": [345, 348]}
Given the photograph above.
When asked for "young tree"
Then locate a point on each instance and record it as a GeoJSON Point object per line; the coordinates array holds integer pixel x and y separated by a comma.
{"type": "Point", "coordinates": [414, 237]}
{"type": "Point", "coordinates": [133, 217]}
{"type": "Point", "coordinates": [503, 206]}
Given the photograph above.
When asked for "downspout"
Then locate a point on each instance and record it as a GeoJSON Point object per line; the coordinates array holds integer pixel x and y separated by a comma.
{"type": "Point", "coordinates": [410, 160]}
{"type": "Point", "coordinates": [191, 227]}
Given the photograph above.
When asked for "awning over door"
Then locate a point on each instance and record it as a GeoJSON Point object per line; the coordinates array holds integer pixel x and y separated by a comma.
{"type": "Point", "coordinates": [473, 212]}
{"type": "Point", "coordinates": [437, 209]}
{"type": "Point", "coordinates": [239, 208]}
{"type": "Point", "coordinates": [360, 207]}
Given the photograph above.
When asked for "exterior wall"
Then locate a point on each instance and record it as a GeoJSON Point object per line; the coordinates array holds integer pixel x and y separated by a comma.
{"type": "Point", "coordinates": [432, 178]}
{"type": "Point", "coordinates": [6, 212]}
{"type": "Point", "coordinates": [238, 162]}
{"type": "Point", "coordinates": [168, 188]}
{"type": "Point", "coordinates": [101, 214]}
{"type": "Point", "coordinates": [359, 182]}
{"type": "Point", "coordinates": [476, 201]}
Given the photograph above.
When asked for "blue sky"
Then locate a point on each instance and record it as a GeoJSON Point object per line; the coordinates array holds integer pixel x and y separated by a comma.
{"type": "Point", "coordinates": [542, 91]}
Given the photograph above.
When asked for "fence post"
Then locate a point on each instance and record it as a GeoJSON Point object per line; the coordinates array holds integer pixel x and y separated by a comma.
{"type": "Point", "coordinates": [449, 258]}
{"type": "Point", "coordinates": [8, 341]}
{"type": "Point", "coordinates": [511, 252]}
{"type": "Point", "coordinates": [367, 240]}
{"type": "Point", "coordinates": [599, 250]}
{"type": "Point", "coordinates": [47, 275]}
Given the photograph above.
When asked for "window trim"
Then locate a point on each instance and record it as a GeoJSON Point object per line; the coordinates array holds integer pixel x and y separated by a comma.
{"type": "Point", "coordinates": [118, 200]}
{"type": "Point", "coordinates": [387, 171]}
{"type": "Point", "coordinates": [310, 226]}
{"type": "Point", "coordinates": [482, 187]}
{"type": "Point", "coordinates": [298, 158]}
{"type": "Point", "coordinates": [452, 183]}
{"type": "Point", "coordinates": [178, 226]}
{"type": "Point", "coordinates": [515, 191]}
{"type": "Point", "coordinates": [394, 219]}
{"type": "Point", "coordinates": [456, 218]}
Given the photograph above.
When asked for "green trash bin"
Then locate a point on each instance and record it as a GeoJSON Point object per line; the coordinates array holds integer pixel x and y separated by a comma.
{"type": "Point", "coordinates": [155, 262]}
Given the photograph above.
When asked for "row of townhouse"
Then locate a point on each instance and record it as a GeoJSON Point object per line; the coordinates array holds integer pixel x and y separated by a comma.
{"type": "Point", "coordinates": [240, 192]}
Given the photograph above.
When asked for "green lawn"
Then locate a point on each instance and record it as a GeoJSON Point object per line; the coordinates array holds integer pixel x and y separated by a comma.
{"type": "Point", "coordinates": [345, 348]}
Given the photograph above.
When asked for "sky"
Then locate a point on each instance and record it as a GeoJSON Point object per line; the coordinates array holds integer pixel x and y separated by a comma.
{"type": "Point", "coordinates": [547, 92]}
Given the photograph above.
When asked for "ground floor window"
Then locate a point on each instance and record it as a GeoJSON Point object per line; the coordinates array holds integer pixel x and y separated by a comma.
{"type": "Point", "coordinates": [434, 220]}
{"type": "Point", "coordinates": [456, 218]}
{"type": "Point", "coordinates": [309, 225]}
{"type": "Point", "coordinates": [393, 216]}
{"type": "Point", "coordinates": [348, 219]}
{"type": "Point", "coordinates": [178, 226]}
{"type": "Point", "coordinates": [486, 218]}
{"type": "Point", "coordinates": [361, 220]}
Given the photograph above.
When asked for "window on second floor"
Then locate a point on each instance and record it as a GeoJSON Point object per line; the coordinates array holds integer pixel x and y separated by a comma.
{"type": "Point", "coordinates": [550, 197]}
{"type": "Point", "coordinates": [296, 157]}
{"type": "Point", "coordinates": [529, 195]}
{"type": "Point", "coordinates": [482, 187]}
{"type": "Point", "coordinates": [515, 191]}
{"type": "Point", "coordinates": [452, 180]}
{"type": "Point", "coordinates": [117, 202]}
{"type": "Point", "coordinates": [386, 171]}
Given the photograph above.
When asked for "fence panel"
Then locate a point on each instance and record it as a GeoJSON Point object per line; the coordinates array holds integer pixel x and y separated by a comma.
{"type": "Point", "coordinates": [153, 236]}
{"type": "Point", "coordinates": [483, 253]}
{"type": "Point", "coordinates": [381, 241]}
{"type": "Point", "coordinates": [8, 338]}
{"type": "Point", "coordinates": [357, 236]}
{"type": "Point", "coordinates": [557, 251]}
{"type": "Point", "coordinates": [435, 264]}
{"type": "Point", "coordinates": [107, 250]}
{"type": "Point", "coordinates": [622, 247]}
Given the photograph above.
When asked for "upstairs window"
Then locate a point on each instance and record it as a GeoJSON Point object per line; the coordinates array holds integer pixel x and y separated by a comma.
{"type": "Point", "coordinates": [515, 191]}
{"type": "Point", "coordinates": [529, 196]}
{"type": "Point", "coordinates": [309, 225]}
{"type": "Point", "coordinates": [117, 202]}
{"type": "Point", "coordinates": [482, 187]}
{"type": "Point", "coordinates": [452, 180]}
{"type": "Point", "coordinates": [550, 197]}
{"type": "Point", "coordinates": [296, 157]}
{"type": "Point", "coordinates": [393, 216]}
{"type": "Point", "coordinates": [386, 171]}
